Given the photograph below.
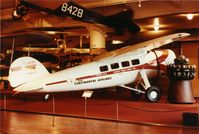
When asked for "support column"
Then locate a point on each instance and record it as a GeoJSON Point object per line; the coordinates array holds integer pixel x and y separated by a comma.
{"type": "Point", "coordinates": [97, 40]}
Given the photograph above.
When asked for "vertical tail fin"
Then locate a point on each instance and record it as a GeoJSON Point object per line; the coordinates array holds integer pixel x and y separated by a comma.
{"type": "Point", "coordinates": [25, 69]}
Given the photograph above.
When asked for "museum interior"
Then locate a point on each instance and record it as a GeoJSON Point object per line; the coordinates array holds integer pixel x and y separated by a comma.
{"type": "Point", "coordinates": [99, 66]}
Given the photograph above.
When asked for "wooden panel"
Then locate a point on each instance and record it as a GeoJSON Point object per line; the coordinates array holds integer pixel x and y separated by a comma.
{"type": "Point", "coordinates": [191, 51]}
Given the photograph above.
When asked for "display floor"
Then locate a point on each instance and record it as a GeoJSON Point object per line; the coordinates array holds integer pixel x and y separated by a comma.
{"type": "Point", "coordinates": [28, 123]}
{"type": "Point", "coordinates": [106, 105]}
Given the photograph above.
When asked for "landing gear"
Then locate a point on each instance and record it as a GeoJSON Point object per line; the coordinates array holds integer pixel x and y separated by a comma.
{"type": "Point", "coordinates": [152, 94]}
{"type": "Point", "coordinates": [137, 94]}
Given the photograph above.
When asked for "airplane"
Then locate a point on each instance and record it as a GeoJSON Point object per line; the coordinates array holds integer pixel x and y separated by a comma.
{"type": "Point", "coordinates": [131, 64]}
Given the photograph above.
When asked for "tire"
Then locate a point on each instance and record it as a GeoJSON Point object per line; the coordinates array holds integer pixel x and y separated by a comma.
{"type": "Point", "coordinates": [152, 94]}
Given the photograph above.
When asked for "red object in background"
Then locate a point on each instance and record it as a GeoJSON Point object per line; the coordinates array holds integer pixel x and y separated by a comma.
{"type": "Point", "coordinates": [181, 92]}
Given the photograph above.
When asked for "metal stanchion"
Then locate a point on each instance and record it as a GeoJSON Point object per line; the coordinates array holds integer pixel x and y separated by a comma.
{"type": "Point", "coordinates": [86, 94]}
{"type": "Point", "coordinates": [4, 102]}
{"type": "Point", "coordinates": [53, 124]}
{"type": "Point", "coordinates": [117, 108]}
{"type": "Point", "coordinates": [85, 108]}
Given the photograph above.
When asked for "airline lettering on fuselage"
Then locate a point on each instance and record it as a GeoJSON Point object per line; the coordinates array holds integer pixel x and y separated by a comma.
{"type": "Point", "coordinates": [84, 82]}
{"type": "Point", "coordinates": [91, 81]}
{"type": "Point", "coordinates": [103, 79]}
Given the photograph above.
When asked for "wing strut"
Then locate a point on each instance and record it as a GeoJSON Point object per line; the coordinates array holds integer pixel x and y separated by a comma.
{"type": "Point", "coordinates": [133, 89]}
{"type": "Point", "coordinates": [145, 79]}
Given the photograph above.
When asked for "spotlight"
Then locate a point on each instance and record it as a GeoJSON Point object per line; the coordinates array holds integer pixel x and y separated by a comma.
{"type": "Point", "coordinates": [190, 16]}
{"type": "Point", "coordinates": [156, 24]}
{"type": "Point", "coordinates": [51, 32]}
{"type": "Point", "coordinates": [117, 42]}
{"type": "Point", "coordinates": [139, 3]}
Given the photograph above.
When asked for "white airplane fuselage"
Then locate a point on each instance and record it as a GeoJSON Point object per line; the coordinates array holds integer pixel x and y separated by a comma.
{"type": "Point", "coordinates": [119, 70]}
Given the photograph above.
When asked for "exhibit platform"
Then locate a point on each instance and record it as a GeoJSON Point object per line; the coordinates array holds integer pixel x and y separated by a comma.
{"type": "Point", "coordinates": [29, 123]}
{"type": "Point", "coordinates": [103, 105]}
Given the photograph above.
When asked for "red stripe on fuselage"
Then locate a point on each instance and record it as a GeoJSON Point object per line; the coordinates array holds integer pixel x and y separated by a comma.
{"type": "Point", "coordinates": [58, 82]}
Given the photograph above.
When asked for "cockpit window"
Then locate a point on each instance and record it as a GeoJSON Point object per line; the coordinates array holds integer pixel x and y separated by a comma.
{"type": "Point", "coordinates": [135, 62]}
{"type": "Point", "coordinates": [114, 65]}
{"type": "Point", "coordinates": [103, 68]}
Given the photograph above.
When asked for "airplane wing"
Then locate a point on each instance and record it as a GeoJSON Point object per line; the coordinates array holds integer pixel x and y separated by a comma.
{"type": "Point", "coordinates": [54, 51]}
{"type": "Point", "coordinates": [144, 46]}
{"type": "Point", "coordinates": [119, 22]}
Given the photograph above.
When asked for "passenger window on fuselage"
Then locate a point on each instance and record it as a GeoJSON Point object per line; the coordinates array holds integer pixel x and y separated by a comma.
{"type": "Point", "coordinates": [114, 65]}
{"type": "Point", "coordinates": [125, 64]}
{"type": "Point", "coordinates": [104, 68]}
{"type": "Point", "coordinates": [135, 62]}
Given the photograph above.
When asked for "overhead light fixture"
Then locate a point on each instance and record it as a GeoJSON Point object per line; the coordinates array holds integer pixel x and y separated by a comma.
{"type": "Point", "coordinates": [190, 16]}
{"type": "Point", "coordinates": [51, 32]}
{"type": "Point", "coordinates": [139, 3]}
{"type": "Point", "coordinates": [117, 42]}
{"type": "Point", "coordinates": [156, 24]}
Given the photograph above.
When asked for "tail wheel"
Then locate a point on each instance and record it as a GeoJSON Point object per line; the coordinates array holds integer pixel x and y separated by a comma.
{"type": "Point", "coordinates": [152, 94]}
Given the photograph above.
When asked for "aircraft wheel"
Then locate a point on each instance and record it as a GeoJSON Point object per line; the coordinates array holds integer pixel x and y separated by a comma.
{"type": "Point", "coordinates": [152, 94]}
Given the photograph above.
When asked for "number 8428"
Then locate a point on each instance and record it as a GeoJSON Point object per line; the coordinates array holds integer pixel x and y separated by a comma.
{"type": "Point", "coordinates": [73, 10]}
